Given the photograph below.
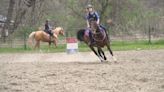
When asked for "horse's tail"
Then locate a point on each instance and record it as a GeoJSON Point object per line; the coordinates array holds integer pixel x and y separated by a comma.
{"type": "Point", "coordinates": [31, 38]}
{"type": "Point", "coordinates": [80, 34]}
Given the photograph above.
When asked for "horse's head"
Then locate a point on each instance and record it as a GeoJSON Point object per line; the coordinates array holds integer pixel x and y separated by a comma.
{"type": "Point", "coordinates": [94, 26]}
{"type": "Point", "coordinates": [59, 30]}
{"type": "Point", "coordinates": [110, 22]}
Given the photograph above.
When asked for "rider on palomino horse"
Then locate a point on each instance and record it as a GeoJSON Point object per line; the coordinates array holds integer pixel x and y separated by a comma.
{"type": "Point", "coordinates": [92, 15]}
{"type": "Point", "coordinates": [48, 28]}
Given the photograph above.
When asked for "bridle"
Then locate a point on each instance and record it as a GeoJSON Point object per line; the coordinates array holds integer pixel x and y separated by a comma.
{"type": "Point", "coordinates": [96, 31]}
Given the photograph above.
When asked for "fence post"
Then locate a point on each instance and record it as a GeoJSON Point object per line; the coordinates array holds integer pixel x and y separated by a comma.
{"type": "Point", "coordinates": [25, 46]}
{"type": "Point", "coordinates": [149, 34]}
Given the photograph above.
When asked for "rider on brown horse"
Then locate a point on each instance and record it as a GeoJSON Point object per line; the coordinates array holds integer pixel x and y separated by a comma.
{"type": "Point", "coordinates": [92, 16]}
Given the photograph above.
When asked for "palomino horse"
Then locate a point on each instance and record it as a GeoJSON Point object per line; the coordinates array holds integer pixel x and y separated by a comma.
{"type": "Point", "coordinates": [44, 37]}
{"type": "Point", "coordinates": [100, 37]}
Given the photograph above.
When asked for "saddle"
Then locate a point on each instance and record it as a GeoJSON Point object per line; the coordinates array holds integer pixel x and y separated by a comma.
{"type": "Point", "coordinates": [50, 35]}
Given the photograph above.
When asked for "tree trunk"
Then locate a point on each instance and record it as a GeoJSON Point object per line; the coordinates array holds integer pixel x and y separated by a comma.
{"type": "Point", "coordinates": [33, 14]}
{"type": "Point", "coordinates": [9, 17]}
{"type": "Point", "coordinates": [20, 13]}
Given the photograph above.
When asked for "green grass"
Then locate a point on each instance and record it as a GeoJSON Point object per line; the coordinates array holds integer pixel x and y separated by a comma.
{"type": "Point", "coordinates": [138, 45]}
{"type": "Point", "coordinates": [115, 45]}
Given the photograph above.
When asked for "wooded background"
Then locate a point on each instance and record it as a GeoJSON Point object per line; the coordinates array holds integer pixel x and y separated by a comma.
{"type": "Point", "coordinates": [133, 19]}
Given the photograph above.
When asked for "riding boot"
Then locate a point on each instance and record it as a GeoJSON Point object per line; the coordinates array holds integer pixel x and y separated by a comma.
{"type": "Point", "coordinates": [51, 35]}
{"type": "Point", "coordinates": [50, 40]}
{"type": "Point", "coordinates": [103, 27]}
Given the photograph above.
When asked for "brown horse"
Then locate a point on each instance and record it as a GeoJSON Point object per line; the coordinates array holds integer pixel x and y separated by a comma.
{"type": "Point", "coordinates": [100, 37]}
{"type": "Point", "coordinates": [44, 37]}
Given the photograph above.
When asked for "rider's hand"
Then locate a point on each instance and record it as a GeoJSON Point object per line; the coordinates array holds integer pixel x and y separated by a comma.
{"type": "Point", "coordinates": [98, 23]}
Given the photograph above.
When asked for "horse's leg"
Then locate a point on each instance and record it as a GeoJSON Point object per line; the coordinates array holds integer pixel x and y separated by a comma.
{"type": "Point", "coordinates": [36, 44]}
{"type": "Point", "coordinates": [92, 48]}
{"type": "Point", "coordinates": [49, 44]}
{"type": "Point", "coordinates": [111, 52]}
{"type": "Point", "coordinates": [39, 46]}
{"type": "Point", "coordinates": [55, 42]}
{"type": "Point", "coordinates": [101, 51]}
{"type": "Point", "coordinates": [100, 54]}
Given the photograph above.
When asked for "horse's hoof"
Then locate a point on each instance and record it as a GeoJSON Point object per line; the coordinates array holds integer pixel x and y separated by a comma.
{"type": "Point", "coordinates": [115, 59]}
{"type": "Point", "coordinates": [101, 59]}
{"type": "Point", "coordinates": [115, 62]}
{"type": "Point", "coordinates": [105, 58]}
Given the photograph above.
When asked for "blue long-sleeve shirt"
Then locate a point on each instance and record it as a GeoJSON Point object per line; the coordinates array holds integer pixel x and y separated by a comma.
{"type": "Point", "coordinates": [92, 16]}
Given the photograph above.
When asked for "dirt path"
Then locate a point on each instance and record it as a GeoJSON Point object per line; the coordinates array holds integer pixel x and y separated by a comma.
{"type": "Point", "coordinates": [135, 71]}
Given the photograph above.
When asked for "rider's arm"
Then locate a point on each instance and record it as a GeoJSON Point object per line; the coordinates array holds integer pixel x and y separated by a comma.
{"type": "Point", "coordinates": [98, 21]}
{"type": "Point", "coordinates": [50, 27]}
{"type": "Point", "coordinates": [87, 20]}
{"type": "Point", "coordinates": [98, 18]}
{"type": "Point", "coordinates": [88, 24]}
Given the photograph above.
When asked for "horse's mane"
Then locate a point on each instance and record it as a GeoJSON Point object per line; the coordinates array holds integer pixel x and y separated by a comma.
{"type": "Point", "coordinates": [58, 28]}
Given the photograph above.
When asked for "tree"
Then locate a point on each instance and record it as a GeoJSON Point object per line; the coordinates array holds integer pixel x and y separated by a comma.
{"type": "Point", "coordinates": [9, 17]}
